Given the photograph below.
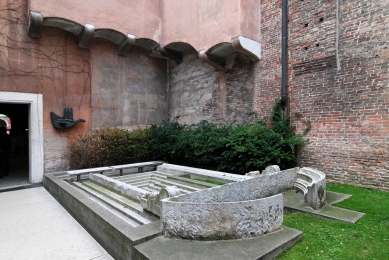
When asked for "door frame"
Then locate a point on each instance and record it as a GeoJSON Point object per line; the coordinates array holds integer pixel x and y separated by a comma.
{"type": "Point", "coordinates": [35, 132]}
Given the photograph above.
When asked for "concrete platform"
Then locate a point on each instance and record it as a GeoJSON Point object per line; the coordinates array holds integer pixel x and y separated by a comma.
{"type": "Point", "coordinates": [293, 202]}
{"type": "Point", "coordinates": [33, 225]}
{"type": "Point", "coordinates": [18, 175]}
{"type": "Point", "coordinates": [264, 247]}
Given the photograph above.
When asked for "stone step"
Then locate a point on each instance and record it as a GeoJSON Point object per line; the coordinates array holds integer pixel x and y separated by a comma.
{"type": "Point", "coordinates": [166, 183]}
{"type": "Point", "coordinates": [139, 183]}
{"type": "Point", "coordinates": [154, 173]}
{"type": "Point", "coordinates": [159, 182]}
{"type": "Point", "coordinates": [100, 199]}
{"type": "Point", "coordinates": [160, 186]}
{"type": "Point", "coordinates": [127, 207]}
{"type": "Point", "coordinates": [146, 179]}
{"type": "Point", "coordinates": [134, 176]}
{"type": "Point", "coordinates": [140, 177]}
{"type": "Point", "coordinates": [162, 174]}
{"type": "Point", "coordinates": [193, 183]}
{"type": "Point", "coordinates": [151, 187]}
{"type": "Point", "coordinates": [113, 196]}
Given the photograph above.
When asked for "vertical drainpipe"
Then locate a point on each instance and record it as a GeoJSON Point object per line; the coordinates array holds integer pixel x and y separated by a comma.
{"type": "Point", "coordinates": [284, 69]}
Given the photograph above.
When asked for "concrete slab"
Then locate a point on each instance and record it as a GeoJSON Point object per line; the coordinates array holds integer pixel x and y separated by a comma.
{"type": "Point", "coordinates": [293, 202]}
{"type": "Point", "coordinates": [18, 175]}
{"type": "Point", "coordinates": [33, 225]}
{"type": "Point", "coordinates": [262, 247]}
{"type": "Point", "coordinates": [108, 228]}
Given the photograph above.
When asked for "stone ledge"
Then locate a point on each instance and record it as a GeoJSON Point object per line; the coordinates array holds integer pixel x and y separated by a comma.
{"type": "Point", "coordinates": [267, 246]}
{"type": "Point", "coordinates": [110, 231]}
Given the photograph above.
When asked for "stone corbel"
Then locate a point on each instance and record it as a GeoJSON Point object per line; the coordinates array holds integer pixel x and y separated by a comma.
{"type": "Point", "coordinates": [210, 60]}
{"type": "Point", "coordinates": [35, 22]}
{"type": "Point", "coordinates": [171, 54]}
{"type": "Point", "coordinates": [126, 44]}
{"type": "Point", "coordinates": [86, 36]}
{"type": "Point", "coordinates": [247, 46]}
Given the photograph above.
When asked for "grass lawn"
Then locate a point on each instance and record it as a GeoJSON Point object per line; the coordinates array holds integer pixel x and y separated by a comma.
{"type": "Point", "coordinates": [208, 181]}
{"type": "Point", "coordinates": [366, 239]}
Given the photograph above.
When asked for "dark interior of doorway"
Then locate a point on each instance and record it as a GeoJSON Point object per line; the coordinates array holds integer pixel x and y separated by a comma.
{"type": "Point", "coordinates": [19, 154]}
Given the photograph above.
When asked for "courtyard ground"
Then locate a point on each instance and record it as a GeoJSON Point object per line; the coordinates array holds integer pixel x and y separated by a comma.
{"type": "Point", "coordinates": [323, 239]}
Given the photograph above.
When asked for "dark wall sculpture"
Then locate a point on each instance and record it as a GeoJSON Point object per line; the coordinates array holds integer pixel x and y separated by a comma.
{"type": "Point", "coordinates": [66, 120]}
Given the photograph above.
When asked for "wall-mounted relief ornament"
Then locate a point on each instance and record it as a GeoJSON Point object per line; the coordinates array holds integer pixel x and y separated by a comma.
{"type": "Point", "coordinates": [66, 120]}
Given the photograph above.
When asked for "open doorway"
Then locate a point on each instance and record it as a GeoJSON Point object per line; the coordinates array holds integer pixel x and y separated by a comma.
{"type": "Point", "coordinates": [32, 109]}
{"type": "Point", "coordinates": [15, 118]}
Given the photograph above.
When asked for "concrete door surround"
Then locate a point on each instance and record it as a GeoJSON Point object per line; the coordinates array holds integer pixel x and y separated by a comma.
{"type": "Point", "coordinates": [35, 126]}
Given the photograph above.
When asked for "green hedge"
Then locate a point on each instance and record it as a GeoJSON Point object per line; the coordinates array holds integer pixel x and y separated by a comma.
{"type": "Point", "coordinates": [107, 146]}
{"type": "Point", "coordinates": [231, 147]}
{"type": "Point", "coordinates": [237, 148]}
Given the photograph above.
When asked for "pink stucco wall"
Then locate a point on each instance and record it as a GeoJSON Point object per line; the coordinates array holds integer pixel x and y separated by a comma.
{"type": "Point", "coordinates": [140, 18]}
{"type": "Point", "coordinates": [200, 23]}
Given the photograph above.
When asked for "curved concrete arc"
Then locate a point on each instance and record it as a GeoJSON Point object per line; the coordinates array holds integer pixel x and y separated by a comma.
{"type": "Point", "coordinates": [242, 209]}
{"type": "Point", "coordinates": [222, 220]}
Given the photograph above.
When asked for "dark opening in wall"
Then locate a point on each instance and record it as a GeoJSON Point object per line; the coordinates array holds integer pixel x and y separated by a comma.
{"type": "Point", "coordinates": [306, 25]}
{"type": "Point", "coordinates": [19, 137]}
{"type": "Point", "coordinates": [317, 44]}
{"type": "Point", "coordinates": [321, 19]}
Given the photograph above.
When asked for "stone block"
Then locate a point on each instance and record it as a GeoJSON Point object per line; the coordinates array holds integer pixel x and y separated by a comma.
{"type": "Point", "coordinates": [122, 188]}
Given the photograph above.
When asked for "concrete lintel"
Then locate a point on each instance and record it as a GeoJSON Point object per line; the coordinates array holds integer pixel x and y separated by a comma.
{"type": "Point", "coordinates": [207, 59]}
{"type": "Point", "coordinates": [35, 22]}
{"type": "Point", "coordinates": [86, 36]}
{"type": "Point", "coordinates": [247, 46]}
{"type": "Point", "coordinates": [171, 54]}
{"type": "Point", "coordinates": [126, 45]}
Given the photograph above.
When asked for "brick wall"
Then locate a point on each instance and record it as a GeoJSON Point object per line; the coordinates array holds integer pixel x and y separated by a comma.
{"type": "Point", "coordinates": [348, 108]}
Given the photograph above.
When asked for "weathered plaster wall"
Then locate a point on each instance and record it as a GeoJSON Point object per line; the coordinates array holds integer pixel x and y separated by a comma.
{"type": "Point", "coordinates": [205, 23]}
{"type": "Point", "coordinates": [52, 66]}
{"type": "Point", "coordinates": [199, 92]}
{"type": "Point", "coordinates": [240, 80]}
{"type": "Point", "coordinates": [194, 90]}
{"type": "Point", "coordinates": [127, 91]}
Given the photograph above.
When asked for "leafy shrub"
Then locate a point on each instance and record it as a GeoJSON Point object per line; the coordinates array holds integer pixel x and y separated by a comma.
{"type": "Point", "coordinates": [237, 148]}
{"type": "Point", "coordinates": [106, 146]}
{"type": "Point", "coordinates": [230, 147]}
{"type": "Point", "coordinates": [166, 141]}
